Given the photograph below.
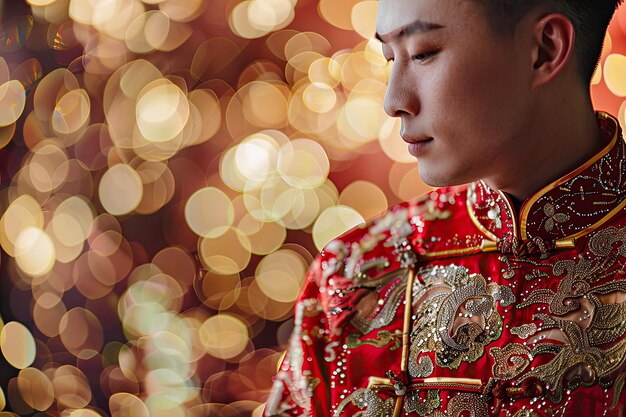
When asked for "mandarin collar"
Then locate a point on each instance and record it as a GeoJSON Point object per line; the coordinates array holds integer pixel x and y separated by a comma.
{"type": "Point", "coordinates": [564, 210]}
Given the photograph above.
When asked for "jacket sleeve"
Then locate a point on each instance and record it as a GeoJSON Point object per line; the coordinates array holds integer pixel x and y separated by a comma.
{"type": "Point", "coordinates": [301, 386]}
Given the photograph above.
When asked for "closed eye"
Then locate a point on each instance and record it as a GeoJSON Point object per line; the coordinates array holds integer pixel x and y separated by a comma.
{"type": "Point", "coordinates": [423, 56]}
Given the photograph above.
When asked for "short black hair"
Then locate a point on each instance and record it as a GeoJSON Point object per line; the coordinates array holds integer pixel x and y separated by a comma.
{"type": "Point", "coordinates": [590, 19]}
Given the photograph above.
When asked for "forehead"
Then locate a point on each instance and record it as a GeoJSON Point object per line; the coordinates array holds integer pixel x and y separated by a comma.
{"type": "Point", "coordinates": [393, 15]}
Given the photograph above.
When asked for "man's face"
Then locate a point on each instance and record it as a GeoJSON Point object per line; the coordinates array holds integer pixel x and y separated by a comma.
{"type": "Point", "coordinates": [461, 90]}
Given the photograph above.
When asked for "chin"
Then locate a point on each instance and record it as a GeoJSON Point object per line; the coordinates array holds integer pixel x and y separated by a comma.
{"type": "Point", "coordinates": [440, 179]}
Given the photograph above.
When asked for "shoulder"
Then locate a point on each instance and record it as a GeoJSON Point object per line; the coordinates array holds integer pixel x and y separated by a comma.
{"type": "Point", "coordinates": [367, 256]}
{"type": "Point", "coordinates": [376, 239]}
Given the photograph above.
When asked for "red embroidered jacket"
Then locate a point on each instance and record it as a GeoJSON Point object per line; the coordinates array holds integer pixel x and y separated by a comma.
{"type": "Point", "coordinates": [456, 305]}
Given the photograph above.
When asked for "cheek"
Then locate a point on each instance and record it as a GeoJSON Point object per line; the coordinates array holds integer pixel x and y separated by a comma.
{"type": "Point", "coordinates": [479, 99]}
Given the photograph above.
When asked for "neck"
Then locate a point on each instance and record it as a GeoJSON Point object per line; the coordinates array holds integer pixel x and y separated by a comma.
{"type": "Point", "coordinates": [556, 143]}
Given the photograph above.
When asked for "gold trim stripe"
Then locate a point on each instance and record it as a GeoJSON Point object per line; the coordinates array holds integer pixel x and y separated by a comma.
{"type": "Point", "coordinates": [470, 211]}
{"type": "Point", "coordinates": [447, 380]}
{"type": "Point", "coordinates": [406, 328]}
{"type": "Point", "coordinates": [376, 382]}
{"type": "Point", "coordinates": [600, 222]}
{"type": "Point", "coordinates": [452, 252]}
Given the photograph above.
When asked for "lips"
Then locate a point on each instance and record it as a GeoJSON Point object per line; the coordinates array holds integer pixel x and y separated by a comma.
{"type": "Point", "coordinates": [418, 146]}
{"type": "Point", "coordinates": [416, 139]}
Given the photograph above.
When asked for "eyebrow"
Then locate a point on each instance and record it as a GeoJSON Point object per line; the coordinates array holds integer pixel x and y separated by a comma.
{"type": "Point", "coordinates": [419, 26]}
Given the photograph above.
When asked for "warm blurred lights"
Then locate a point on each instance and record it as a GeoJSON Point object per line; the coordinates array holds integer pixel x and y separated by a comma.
{"type": "Point", "coordinates": [162, 111]}
{"type": "Point", "coordinates": [265, 237]}
{"type": "Point", "coordinates": [280, 275]}
{"type": "Point", "coordinates": [155, 223]}
{"type": "Point", "coordinates": [40, 2]}
{"type": "Point", "coordinates": [319, 97]}
{"type": "Point", "coordinates": [120, 190]}
{"type": "Point", "coordinates": [226, 254]}
{"type": "Point", "coordinates": [332, 222]}
{"type": "Point", "coordinates": [365, 197]}
{"type": "Point", "coordinates": [85, 412]}
{"type": "Point", "coordinates": [35, 388]}
{"type": "Point", "coordinates": [614, 70]}
{"type": "Point", "coordinates": [81, 333]}
{"type": "Point", "coordinates": [338, 14]}
{"type": "Point", "coordinates": [123, 404]}
{"type": "Point", "coordinates": [391, 142]}
{"type": "Point", "coordinates": [256, 18]}
{"type": "Point", "coordinates": [364, 18]}
{"type": "Point", "coordinates": [12, 102]}
{"type": "Point", "coordinates": [224, 336]}
{"type": "Point", "coordinates": [271, 15]}
{"type": "Point", "coordinates": [364, 116]}
{"type": "Point", "coordinates": [180, 10]}
{"type": "Point", "coordinates": [3, 400]}
{"type": "Point", "coordinates": [256, 156]}
{"type": "Point", "coordinates": [71, 387]}
{"type": "Point", "coordinates": [17, 345]}
{"type": "Point", "coordinates": [209, 212]}
{"type": "Point", "coordinates": [23, 213]}
{"type": "Point", "coordinates": [303, 163]}
{"type": "Point", "coordinates": [325, 71]}
{"type": "Point", "coordinates": [48, 169]}
{"type": "Point", "coordinates": [34, 252]}
{"type": "Point", "coordinates": [72, 221]}
{"type": "Point", "coordinates": [148, 32]}
{"type": "Point", "coordinates": [71, 112]}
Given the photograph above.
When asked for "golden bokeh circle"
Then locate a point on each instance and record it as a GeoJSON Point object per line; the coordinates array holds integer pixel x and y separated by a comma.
{"type": "Point", "coordinates": [120, 189]}
{"type": "Point", "coordinates": [162, 111]}
{"type": "Point", "coordinates": [226, 254]}
{"type": "Point", "coordinates": [224, 336]}
{"type": "Point", "coordinates": [35, 388]}
{"type": "Point", "coordinates": [17, 345]}
{"type": "Point", "coordinates": [614, 70]}
{"type": "Point", "coordinates": [332, 222]}
{"type": "Point", "coordinates": [124, 404]}
{"type": "Point", "coordinates": [12, 101]}
{"type": "Point", "coordinates": [280, 275]}
{"type": "Point", "coordinates": [209, 212]}
{"type": "Point", "coordinates": [35, 253]}
{"type": "Point", "coordinates": [365, 197]}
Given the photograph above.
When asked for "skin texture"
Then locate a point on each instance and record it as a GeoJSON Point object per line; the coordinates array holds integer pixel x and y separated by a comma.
{"type": "Point", "coordinates": [511, 110]}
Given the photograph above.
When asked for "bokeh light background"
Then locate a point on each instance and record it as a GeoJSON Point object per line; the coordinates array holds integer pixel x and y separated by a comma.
{"type": "Point", "coordinates": [168, 170]}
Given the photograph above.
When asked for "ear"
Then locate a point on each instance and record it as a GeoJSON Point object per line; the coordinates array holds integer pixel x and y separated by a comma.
{"type": "Point", "coordinates": [553, 37]}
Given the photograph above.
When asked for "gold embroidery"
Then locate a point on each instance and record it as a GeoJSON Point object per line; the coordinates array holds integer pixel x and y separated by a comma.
{"type": "Point", "coordinates": [423, 407]}
{"type": "Point", "coordinates": [525, 330]}
{"type": "Point", "coordinates": [370, 316]}
{"type": "Point", "coordinates": [431, 212]}
{"type": "Point", "coordinates": [585, 317]}
{"type": "Point", "coordinates": [383, 338]}
{"type": "Point", "coordinates": [461, 307]}
{"type": "Point", "coordinates": [554, 218]}
{"type": "Point", "coordinates": [423, 368]}
{"type": "Point", "coordinates": [471, 200]}
{"type": "Point", "coordinates": [510, 361]}
{"type": "Point", "coordinates": [366, 399]}
{"type": "Point", "coordinates": [467, 404]}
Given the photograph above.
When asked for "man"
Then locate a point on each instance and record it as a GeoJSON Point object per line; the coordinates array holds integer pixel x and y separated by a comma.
{"type": "Point", "coordinates": [504, 297]}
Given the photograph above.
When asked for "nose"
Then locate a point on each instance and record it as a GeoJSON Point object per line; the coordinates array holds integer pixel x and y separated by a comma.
{"type": "Point", "coordinates": [401, 95]}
